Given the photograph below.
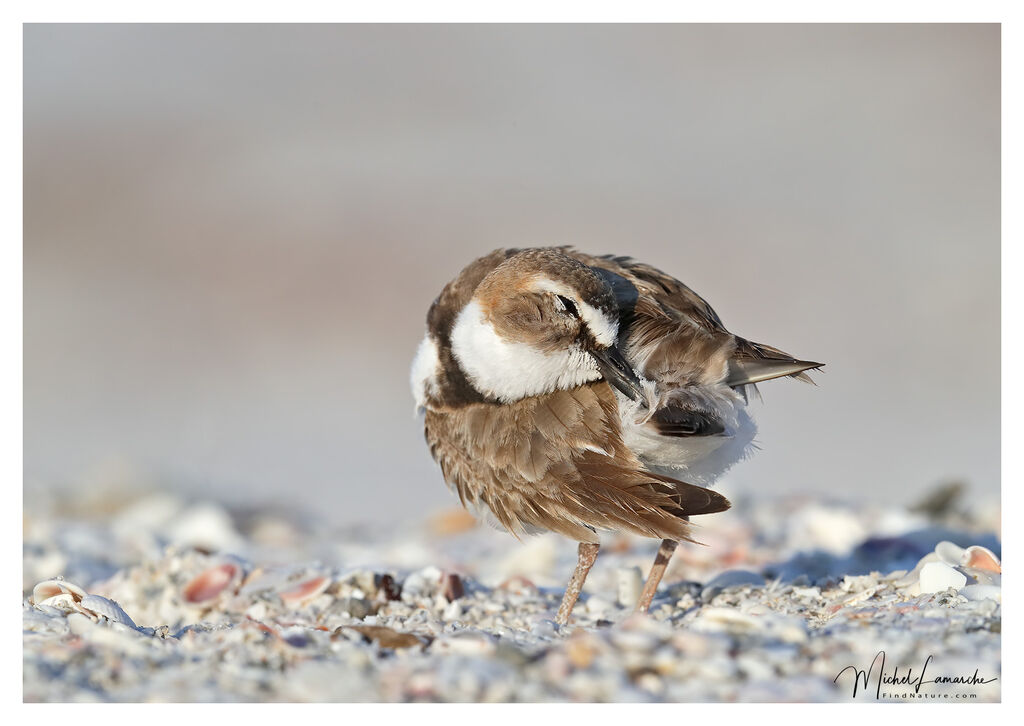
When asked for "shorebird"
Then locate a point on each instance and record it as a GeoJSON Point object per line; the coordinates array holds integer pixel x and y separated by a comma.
{"type": "Point", "coordinates": [576, 394]}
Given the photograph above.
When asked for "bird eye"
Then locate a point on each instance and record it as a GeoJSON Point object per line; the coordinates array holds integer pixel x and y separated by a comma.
{"type": "Point", "coordinates": [569, 306]}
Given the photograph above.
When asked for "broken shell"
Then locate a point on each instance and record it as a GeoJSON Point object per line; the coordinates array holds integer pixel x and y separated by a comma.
{"type": "Point", "coordinates": [983, 592]}
{"type": "Point", "coordinates": [64, 601]}
{"type": "Point", "coordinates": [56, 588]}
{"type": "Point", "coordinates": [938, 577]}
{"type": "Point", "coordinates": [981, 577]}
{"type": "Point", "coordinates": [911, 578]}
{"type": "Point", "coordinates": [950, 553]}
{"type": "Point", "coordinates": [386, 637]}
{"type": "Point", "coordinates": [211, 583]}
{"type": "Point", "coordinates": [304, 591]}
{"type": "Point", "coordinates": [981, 558]}
{"type": "Point", "coordinates": [465, 643]}
{"type": "Point", "coordinates": [99, 605]}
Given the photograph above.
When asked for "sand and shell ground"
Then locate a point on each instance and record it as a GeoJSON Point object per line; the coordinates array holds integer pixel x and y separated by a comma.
{"type": "Point", "coordinates": [150, 597]}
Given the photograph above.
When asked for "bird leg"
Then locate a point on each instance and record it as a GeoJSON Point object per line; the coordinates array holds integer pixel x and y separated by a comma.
{"type": "Point", "coordinates": [668, 546]}
{"type": "Point", "coordinates": [587, 555]}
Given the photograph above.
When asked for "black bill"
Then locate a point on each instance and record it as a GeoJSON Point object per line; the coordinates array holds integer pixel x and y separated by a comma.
{"type": "Point", "coordinates": [619, 373]}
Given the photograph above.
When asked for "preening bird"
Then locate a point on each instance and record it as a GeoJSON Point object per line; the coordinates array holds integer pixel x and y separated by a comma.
{"type": "Point", "coordinates": [578, 394]}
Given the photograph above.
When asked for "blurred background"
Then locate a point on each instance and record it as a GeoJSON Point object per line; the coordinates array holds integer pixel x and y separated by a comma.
{"type": "Point", "coordinates": [233, 234]}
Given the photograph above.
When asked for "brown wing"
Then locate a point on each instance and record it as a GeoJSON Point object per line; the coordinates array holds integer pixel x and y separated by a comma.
{"type": "Point", "coordinates": [674, 336]}
{"type": "Point", "coordinates": [678, 338]}
{"type": "Point", "coordinates": [558, 462]}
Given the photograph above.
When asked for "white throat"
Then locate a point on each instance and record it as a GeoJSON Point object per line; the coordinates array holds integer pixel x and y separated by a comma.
{"type": "Point", "coordinates": [510, 371]}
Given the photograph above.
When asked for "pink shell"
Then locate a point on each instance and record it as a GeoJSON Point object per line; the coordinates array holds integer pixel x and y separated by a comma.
{"type": "Point", "coordinates": [210, 583]}
{"type": "Point", "coordinates": [305, 590]}
{"type": "Point", "coordinates": [982, 558]}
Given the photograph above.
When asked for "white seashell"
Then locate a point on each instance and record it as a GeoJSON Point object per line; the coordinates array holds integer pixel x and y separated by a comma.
{"type": "Point", "coordinates": [938, 576]}
{"type": "Point", "coordinates": [98, 605]}
{"type": "Point", "coordinates": [806, 592]}
{"type": "Point", "coordinates": [983, 592]}
{"type": "Point", "coordinates": [419, 584]}
{"type": "Point", "coordinates": [64, 601]}
{"type": "Point", "coordinates": [261, 580]}
{"type": "Point", "coordinates": [630, 584]}
{"type": "Point", "coordinates": [859, 597]}
{"type": "Point", "coordinates": [981, 577]}
{"type": "Point", "coordinates": [471, 644]}
{"type": "Point", "coordinates": [80, 624]}
{"type": "Point", "coordinates": [716, 619]}
{"type": "Point", "coordinates": [52, 588]}
{"type": "Point", "coordinates": [257, 611]}
{"type": "Point", "coordinates": [912, 577]}
{"type": "Point", "coordinates": [453, 611]}
{"type": "Point", "coordinates": [950, 553]}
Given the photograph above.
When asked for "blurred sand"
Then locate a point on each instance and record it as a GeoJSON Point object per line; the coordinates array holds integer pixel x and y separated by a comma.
{"type": "Point", "coordinates": [215, 604]}
{"type": "Point", "coordinates": [232, 235]}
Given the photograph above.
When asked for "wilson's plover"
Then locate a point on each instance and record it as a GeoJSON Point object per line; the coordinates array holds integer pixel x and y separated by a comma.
{"type": "Point", "coordinates": [573, 393]}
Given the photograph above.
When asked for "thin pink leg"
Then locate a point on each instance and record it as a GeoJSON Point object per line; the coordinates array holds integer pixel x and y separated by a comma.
{"type": "Point", "coordinates": [587, 555]}
{"type": "Point", "coordinates": [668, 546]}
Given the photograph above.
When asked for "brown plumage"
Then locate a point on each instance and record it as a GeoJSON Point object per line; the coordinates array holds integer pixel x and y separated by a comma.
{"type": "Point", "coordinates": [514, 379]}
{"type": "Point", "coordinates": [533, 463]}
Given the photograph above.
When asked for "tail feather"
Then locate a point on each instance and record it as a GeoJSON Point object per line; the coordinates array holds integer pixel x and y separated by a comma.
{"type": "Point", "coordinates": [756, 362]}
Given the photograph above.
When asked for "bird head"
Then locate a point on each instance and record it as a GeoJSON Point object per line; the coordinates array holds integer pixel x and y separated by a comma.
{"type": "Point", "coordinates": [539, 322]}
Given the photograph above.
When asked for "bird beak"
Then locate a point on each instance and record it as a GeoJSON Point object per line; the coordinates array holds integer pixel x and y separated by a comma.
{"type": "Point", "coordinates": [619, 373]}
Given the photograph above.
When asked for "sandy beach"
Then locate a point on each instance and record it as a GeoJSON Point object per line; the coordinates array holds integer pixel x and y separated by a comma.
{"type": "Point", "coordinates": [167, 599]}
{"type": "Point", "coordinates": [232, 234]}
